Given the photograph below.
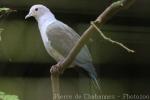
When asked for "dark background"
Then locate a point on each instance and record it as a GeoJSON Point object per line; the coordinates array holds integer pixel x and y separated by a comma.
{"type": "Point", "coordinates": [24, 63]}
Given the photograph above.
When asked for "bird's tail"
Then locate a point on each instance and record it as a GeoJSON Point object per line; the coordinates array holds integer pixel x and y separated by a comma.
{"type": "Point", "coordinates": [92, 73]}
{"type": "Point", "coordinates": [95, 82]}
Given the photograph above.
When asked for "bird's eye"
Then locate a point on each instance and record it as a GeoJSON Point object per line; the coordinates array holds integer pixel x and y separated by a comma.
{"type": "Point", "coordinates": [36, 9]}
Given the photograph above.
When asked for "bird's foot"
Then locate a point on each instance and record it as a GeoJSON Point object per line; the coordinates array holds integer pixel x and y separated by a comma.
{"type": "Point", "coordinates": [57, 69]}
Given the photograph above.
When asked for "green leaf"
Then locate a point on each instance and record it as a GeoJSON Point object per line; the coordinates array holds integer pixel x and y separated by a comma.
{"type": "Point", "coordinates": [4, 9]}
{"type": "Point", "coordinates": [7, 10]}
{"type": "Point", "coordinates": [4, 96]}
{"type": "Point", "coordinates": [2, 93]}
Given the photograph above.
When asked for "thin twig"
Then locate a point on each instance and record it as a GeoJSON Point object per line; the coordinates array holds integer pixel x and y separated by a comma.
{"type": "Point", "coordinates": [110, 40]}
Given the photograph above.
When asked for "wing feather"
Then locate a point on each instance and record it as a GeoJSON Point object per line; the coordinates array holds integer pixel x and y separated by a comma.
{"type": "Point", "coordinates": [63, 38]}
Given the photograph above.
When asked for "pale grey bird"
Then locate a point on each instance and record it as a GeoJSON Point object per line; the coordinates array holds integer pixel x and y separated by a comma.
{"type": "Point", "coordinates": [59, 38]}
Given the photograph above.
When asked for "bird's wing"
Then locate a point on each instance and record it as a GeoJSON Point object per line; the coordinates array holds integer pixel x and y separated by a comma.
{"type": "Point", "coordinates": [63, 38]}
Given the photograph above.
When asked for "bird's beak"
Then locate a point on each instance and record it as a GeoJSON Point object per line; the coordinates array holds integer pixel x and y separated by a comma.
{"type": "Point", "coordinates": [28, 15]}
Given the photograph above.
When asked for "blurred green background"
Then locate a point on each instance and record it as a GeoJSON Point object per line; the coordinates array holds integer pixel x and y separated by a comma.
{"type": "Point", "coordinates": [24, 63]}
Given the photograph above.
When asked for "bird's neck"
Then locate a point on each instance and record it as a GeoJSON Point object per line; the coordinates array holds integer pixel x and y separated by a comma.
{"type": "Point", "coordinates": [46, 18]}
{"type": "Point", "coordinates": [44, 21]}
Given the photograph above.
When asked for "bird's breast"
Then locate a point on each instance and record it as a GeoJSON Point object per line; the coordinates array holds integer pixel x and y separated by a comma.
{"type": "Point", "coordinates": [47, 44]}
{"type": "Point", "coordinates": [43, 33]}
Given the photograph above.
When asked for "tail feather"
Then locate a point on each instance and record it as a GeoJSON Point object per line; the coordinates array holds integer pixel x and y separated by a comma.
{"type": "Point", "coordinates": [92, 73]}
{"type": "Point", "coordinates": [95, 82]}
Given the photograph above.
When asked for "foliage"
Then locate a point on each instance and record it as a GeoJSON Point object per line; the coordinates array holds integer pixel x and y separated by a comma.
{"type": "Point", "coordinates": [4, 96]}
{"type": "Point", "coordinates": [4, 11]}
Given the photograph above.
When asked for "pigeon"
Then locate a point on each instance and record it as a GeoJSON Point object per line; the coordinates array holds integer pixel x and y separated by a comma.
{"type": "Point", "coordinates": [59, 39]}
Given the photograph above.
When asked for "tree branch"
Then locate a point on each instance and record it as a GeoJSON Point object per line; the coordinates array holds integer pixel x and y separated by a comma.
{"type": "Point", "coordinates": [55, 86]}
{"type": "Point", "coordinates": [106, 15]}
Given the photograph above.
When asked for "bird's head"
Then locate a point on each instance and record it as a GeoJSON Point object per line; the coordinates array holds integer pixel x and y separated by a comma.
{"type": "Point", "coordinates": [38, 11]}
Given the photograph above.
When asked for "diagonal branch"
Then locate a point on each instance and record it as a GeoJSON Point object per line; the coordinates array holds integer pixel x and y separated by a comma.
{"type": "Point", "coordinates": [102, 18]}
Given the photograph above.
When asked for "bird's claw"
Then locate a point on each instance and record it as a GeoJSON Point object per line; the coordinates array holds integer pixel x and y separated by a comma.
{"type": "Point", "coordinates": [57, 69]}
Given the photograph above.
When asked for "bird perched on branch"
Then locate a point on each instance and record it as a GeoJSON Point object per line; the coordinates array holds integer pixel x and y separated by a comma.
{"type": "Point", "coordinates": [59, 39]}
